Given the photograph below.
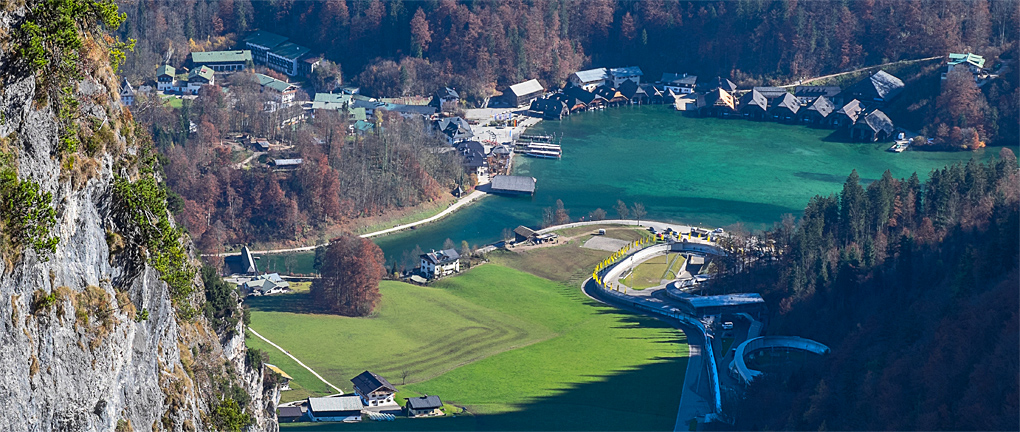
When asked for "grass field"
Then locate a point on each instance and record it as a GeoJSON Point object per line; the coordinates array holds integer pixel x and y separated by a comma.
{"type": "Point", "coordinates": [518, 351]}
{"type": "Point", "coordinates": [622, 232]}
{"type": "Point", "coordinates": [569, 263]}
{"type": "Point", "coordinates": [173, 101]}
{"type": "Point", "coordinates": [296, 263]}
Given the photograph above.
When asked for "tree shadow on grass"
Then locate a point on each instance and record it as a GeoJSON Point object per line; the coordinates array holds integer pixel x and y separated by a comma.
{"type": "Point", "coordinates": [300, 303]}
{"type": "Point", "coordinates": [645, 398]}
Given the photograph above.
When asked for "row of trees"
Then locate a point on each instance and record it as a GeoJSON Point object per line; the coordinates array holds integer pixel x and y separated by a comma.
{"type": "Point", "coordinates": [350, 269]}
{"type": "Point", "coordinates": [913, 286]}
{"type": "Point", "coordinates": [486, 43]}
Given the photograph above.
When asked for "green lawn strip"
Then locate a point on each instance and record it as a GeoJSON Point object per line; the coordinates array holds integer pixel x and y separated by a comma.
{"type": "Point", "coordinates": [421, 330]}
{"type": "Point", "coordinates": [727, 342]}
{"type": "Point", "coordinates": [649, 273]}
{"type": "Point", "coordinates": [304, 384]}
{"type": "Point", "coordinates": [173, 101]}
{"type": "Point", "coordinates": [674, 268]}
{"type": "Point", "coordinates": [295, 263]}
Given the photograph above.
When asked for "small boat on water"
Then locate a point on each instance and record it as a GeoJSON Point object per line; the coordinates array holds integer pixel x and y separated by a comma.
{"type": "Point", "coordinates": [547, 154]}
{"type": "Point", "coordinates": [899, 146]}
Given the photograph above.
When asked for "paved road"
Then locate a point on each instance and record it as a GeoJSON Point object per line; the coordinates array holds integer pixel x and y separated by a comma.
{"type": "Point", "coordinates": [809, 80]}
{"type": "Point", "coordinates": [452, 208]}
{"type": "Point", "coordinates": [296, 360]}
{"type": "Point", "coordinates": [693, 402]}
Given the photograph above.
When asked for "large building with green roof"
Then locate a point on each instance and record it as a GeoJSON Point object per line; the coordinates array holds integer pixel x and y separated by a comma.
{"type": "Point", "coordinates": [261, 42]}
{"type": "Point", "coordinates": [280, 54]}
{"type": "Point", "coordinates": [222, 61]}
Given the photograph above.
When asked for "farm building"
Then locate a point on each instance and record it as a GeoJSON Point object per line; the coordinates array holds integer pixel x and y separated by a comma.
{"type": "Point", "coordinates": [346, 408]}
{"type": "Point", "coordinates": [270, 283]}
{"type": "Point", "coordinates": [373, 389]}
{"type": "Point", "coordinates": [513, 184]}
{"type": "Point", "coordinates": [425, 406]}
{"type": "Point", "coordinates": [290, 414]}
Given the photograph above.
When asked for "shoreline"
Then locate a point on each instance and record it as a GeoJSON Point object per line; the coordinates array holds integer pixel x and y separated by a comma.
{"type": "Point", "coordinates": [462, 202]}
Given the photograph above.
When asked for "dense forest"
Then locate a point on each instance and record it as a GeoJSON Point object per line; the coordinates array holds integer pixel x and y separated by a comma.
{"type": "Point", "coordinates": [914, 287]}
{"type": "Point", "coordinates": [476, 45]}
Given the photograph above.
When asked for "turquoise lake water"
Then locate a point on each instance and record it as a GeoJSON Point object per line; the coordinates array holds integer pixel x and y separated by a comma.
{"type": "Point", "coordinates": [706, 171]}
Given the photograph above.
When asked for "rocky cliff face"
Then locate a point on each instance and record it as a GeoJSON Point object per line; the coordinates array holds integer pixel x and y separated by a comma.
{"type": "Point", "coordinates": [91, 338]}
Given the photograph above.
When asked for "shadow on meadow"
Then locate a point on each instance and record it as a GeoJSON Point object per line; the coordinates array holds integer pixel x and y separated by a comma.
{"type": "Point", "coordinates": [610, 403]}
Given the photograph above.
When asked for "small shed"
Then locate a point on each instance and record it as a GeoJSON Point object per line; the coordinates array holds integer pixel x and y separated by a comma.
{"type": "Point", "coordinates": [523, 233]}
{"type": "Point", "coordinates": [425, 406]}
{"type": "Point", "coordinates": [290, 414]}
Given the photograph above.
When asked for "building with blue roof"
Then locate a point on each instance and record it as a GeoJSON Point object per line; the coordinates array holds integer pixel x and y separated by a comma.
{"type": "Point", "coordinates": [621, 74]}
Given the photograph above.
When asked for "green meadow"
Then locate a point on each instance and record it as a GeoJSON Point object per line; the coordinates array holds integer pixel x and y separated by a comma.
{"type": "Point", "coordinates": [514, 350]}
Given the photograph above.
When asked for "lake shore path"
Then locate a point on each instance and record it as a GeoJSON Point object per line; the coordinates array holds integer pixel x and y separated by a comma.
{"type": "Point", "coordinates": [467, 199]}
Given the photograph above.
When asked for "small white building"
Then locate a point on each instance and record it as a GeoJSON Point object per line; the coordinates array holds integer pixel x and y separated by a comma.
{"type": "Point", "coordinates": [438, 264]}
{"type": "Point", "coordinates": [374, 390]}
{"type": "Point", "coordinates": [343, 408]}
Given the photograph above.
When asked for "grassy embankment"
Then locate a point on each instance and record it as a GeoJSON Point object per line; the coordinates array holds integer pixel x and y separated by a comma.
{"type": "Point", "coordinates": [518, 351]}
{"type": "Point", "coordinates": [651, 273]}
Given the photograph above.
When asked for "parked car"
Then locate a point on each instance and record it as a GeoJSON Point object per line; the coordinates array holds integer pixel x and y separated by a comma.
{"type": "Point", "coordinates": [718, 231]}
{"type": "Point", "coordinates": [728, 325]}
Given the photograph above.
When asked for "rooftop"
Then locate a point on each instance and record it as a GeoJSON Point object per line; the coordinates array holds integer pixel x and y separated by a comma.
{"type": "Point", "coordinates": [166, 70]}
{"type": "Point", "coordinates": [973, 59]}
{"type": "Point", "coordinates": [626, 71]}
{"type": "Point", "coordinates": [369, 382]}
{"type": "Point", "coordinates": [424, 402]}
{"type": "Point", "coordinates": [265, 39]}
{"type": "Point", "coordinates": [527, 87]}
{"type": "Point", "coordinates": [334, 403]}
{"type": "Point", "coordinates": [592, 75]}
{"type": "Point", "coordinates": [290, 51]}
{"type": "Point", "coordinates": [725, 300]}
{"type": "Point", "coordinates": [444, 256]}
{"type": "Point", "coordinates": [201, 71]}
{"type": "Point", "coordinates": [273, 83]}
{"type": "Point", "coordinates": [340, 98]}
{"type": "Point", "coordinates": [514, 183]}
{"type": "Point", "coordinates": [204, 57]}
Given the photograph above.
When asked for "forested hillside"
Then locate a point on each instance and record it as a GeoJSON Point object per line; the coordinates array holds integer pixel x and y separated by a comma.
{"type": "Point", "coordinates": [344, 176]}
{"type": "Point", "coordinates": [914, 287]}
{"type": "Point", "coordinates": [475, 45]}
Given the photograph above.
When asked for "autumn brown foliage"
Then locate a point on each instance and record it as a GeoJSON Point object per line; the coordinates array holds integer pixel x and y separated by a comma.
{"type": "Point", "coordinates": [351, 269]}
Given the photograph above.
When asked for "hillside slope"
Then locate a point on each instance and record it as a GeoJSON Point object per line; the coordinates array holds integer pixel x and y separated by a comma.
{"type": "Point", "coordinates": [93, 335]}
